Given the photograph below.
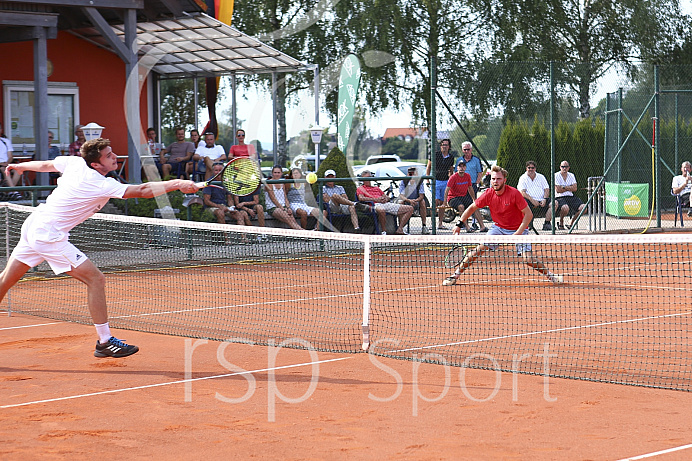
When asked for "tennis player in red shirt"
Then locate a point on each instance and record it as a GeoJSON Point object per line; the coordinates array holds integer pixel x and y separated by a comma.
{"type": "Point", "coordinates": [511, 216]}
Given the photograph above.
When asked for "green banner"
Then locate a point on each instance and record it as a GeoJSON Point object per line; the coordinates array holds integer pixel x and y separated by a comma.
{"type": "Point", "coordinates": [627, 200]}
{"type": "Point", "coordinates": [349, 80]}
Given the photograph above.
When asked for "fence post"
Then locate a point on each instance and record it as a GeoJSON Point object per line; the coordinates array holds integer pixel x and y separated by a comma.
{"type": "Point", "coordinates": [657, 162]}
{"type": "Point", "coordinates": [552, 144]}
{"type": "Point", "coordinates": [433, 137]}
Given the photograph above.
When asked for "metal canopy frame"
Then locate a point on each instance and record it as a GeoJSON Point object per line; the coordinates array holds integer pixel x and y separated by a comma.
{"type": "Point", "coordinates": [198, 45]}
{"type": "Point", "coordinates": [184, 45]}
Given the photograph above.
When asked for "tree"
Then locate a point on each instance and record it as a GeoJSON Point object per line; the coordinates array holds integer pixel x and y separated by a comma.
{"type": "Point", "coordinates": [299, 28]}
{"type": "Point", "coordinates": [178, 106]}
{"type": "Point", "coordinates": [412, 31]}
{"type": "Point", "coordinates": [589, 36]}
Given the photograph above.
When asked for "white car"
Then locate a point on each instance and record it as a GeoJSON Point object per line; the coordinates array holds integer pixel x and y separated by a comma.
{"type": "Point", "coordinates": [373, 159]}
{"type": "Point", "coordinates": [393, 170]}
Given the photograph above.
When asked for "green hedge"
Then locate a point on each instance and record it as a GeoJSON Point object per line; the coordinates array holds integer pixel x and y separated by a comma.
{"type": "Point", "coordinates": [336, 161]}
{"type": "Point", "coordinates": [580, 143]}
{"type": "Point", "coordinates": [145, 207]}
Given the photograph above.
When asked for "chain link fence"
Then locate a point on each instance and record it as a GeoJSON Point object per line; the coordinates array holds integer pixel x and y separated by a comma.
{"type": "Point", "coordinates": [506, 113]}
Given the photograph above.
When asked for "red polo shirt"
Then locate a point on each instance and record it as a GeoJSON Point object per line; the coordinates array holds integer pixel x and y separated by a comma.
{"type": "Point", "coordinates": [505, 209]}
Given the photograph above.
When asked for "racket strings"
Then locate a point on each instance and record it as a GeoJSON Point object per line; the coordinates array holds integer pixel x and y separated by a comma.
{"type": "Point", "coordinates": [241, 178]}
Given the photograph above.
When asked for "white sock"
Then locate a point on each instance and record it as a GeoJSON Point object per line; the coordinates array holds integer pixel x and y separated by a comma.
{"type": "Point", "coordinates": [104, 332]}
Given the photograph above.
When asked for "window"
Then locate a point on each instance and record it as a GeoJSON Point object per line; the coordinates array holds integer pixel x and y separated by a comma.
{"type": "Point", "coordinates": [63, 110]}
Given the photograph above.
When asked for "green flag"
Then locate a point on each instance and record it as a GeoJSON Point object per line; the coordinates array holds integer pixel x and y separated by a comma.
{"type": "Point", "coordinates": [349, 80]}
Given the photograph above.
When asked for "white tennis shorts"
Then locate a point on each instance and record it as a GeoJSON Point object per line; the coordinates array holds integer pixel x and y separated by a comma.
{"type": "Point", "coordinates": [302, 206]}
{"type": "Point", "coordinates": [41, 243]}
{"type": "Point", "coordinates": [391, 208]}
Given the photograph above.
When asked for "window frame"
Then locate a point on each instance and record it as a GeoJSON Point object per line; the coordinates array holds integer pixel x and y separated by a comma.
{"type": "Point", "coordinates": [54, 88]}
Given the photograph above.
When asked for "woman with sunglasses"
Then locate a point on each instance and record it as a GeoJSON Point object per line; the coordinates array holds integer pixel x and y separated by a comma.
{"type": "Point", "coordinates": [241, 149]}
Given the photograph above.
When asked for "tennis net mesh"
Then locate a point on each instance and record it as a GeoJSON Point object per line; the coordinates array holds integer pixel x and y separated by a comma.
{"type": "Point", "coordinates": [623, 314]}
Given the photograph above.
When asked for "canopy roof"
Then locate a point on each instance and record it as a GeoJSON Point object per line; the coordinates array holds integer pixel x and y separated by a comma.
{"type": "Point", "coordinates": [199, 45]}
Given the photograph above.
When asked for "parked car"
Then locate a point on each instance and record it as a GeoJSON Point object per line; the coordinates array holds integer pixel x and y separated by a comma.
{"type": "Point", "coordinates": [373, 159]}
{"type": "Point", "coordinates": [391, 169]}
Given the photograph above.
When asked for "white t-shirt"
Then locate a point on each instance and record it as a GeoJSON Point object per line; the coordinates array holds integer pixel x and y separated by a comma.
{"type": "Point", "coordinates": [560, 181]}
{"type": "Point", "coordinates": [81, 192]}
{"type": "Point", "coordinates": [5, 146]}
{"type": "Point", "coordinates": [678, 181]}
{"type": "Point", "coordinates": [213, 152]}
{"type": "Point", "coordinates": [535, 187]}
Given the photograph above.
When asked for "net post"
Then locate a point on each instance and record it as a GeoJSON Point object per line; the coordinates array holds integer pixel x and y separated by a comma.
{"type": "Point", "coordinates": [366, 294]}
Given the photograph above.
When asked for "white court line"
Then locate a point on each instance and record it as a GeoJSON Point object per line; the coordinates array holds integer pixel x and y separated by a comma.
{"type": "Point", "coordinates": [182, 381]}
{"type": "Point", "coordinates": [30, 326]}
{"type": "Point", "coordinates": [532, 333]}
{"type": "Point", "coordinates": [656, 453]}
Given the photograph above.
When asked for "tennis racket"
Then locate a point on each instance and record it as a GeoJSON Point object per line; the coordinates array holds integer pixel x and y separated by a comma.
{"type": "Point", "coordinates": [457, 254]}
{"type": "Point", "coordinates": [240, 177]}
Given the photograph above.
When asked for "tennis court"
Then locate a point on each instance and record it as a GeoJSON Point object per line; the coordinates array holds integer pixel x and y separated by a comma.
{"type": "Point", "coordinates": [59, 401]}
{"type": "Point", "coordinates": [281, 372]}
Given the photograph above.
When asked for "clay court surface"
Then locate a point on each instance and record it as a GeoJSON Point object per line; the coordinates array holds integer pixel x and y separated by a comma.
{"type": "Point", "coordinates": [181, 399]}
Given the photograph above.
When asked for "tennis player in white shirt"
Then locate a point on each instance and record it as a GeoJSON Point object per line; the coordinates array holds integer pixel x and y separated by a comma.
{"type": "Point", "coordinates": [83, 189]}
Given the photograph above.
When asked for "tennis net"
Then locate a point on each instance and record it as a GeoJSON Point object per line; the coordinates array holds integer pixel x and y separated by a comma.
{"type": "Point", "coordinates": [622, 314]}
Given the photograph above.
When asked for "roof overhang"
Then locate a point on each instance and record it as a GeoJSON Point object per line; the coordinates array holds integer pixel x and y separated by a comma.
{"type": "Point", "coordinates": [197, 45]}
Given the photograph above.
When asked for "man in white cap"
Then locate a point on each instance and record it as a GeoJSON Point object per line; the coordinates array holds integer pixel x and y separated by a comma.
{"type": "Point", "coordinates": [335, 197]}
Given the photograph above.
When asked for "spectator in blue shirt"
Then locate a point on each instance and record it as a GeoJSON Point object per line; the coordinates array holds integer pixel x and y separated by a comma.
{"type": "Point", "coordinates": [473, 165]}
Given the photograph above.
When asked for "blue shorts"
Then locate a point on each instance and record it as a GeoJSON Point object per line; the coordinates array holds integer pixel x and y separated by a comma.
{"type": "Point", "coordinates": [495, 230]}
{"type": "Point", "coordinates": [440, 187]}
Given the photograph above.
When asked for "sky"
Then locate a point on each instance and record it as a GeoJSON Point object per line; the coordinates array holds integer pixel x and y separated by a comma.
{"type": "Point", "coordinates": [255, 110]}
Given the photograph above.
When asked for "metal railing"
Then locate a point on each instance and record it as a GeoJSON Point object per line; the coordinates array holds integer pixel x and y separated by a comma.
{"type": "Point", "coordinates": [596, 204]}
{"type": "Point", "coordinates": [32, 190]}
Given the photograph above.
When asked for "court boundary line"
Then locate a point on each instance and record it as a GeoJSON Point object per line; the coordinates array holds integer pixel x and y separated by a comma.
{"type": "Point", "coordinates": [169, 383]}
{"type": "Point", "coordinates": [656, 453]}
{"type": "Point", "coordinates": [532, 333]}
{"type": "Point", "coordinates": [30, 326]}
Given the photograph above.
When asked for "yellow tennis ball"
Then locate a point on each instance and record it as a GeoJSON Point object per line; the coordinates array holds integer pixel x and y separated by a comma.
{"type": "Point", "coordinates": [312, 178]}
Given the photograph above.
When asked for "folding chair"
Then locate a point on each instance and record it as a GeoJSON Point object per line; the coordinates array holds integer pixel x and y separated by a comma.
{"type": "Point", "coordinates": [678, 209]}
{"type": "Point", "coordinates": [538, 212]}
{"type": "Point", "coordinates": [178, 170]}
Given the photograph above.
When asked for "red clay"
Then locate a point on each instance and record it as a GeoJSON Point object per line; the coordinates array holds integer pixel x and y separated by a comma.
{"type": "Point", "coordinates": [360, 407]}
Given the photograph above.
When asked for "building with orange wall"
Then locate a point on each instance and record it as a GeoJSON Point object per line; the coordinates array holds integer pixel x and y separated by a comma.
{"type": "Point", "coordinates": [98, 74]}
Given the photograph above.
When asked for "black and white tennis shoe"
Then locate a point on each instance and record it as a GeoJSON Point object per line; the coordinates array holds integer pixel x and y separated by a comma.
{"type": "Point", "coordinates": [114, 348]}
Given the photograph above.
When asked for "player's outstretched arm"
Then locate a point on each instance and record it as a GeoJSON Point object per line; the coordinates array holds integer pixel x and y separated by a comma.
{"type": "Point", "coordinates": [156, 188]}
{"type": "Point", "coordinates": [35, 165]}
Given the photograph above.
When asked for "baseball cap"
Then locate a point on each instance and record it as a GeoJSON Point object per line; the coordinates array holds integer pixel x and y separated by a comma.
{"type": "Point", "coordinates": [461, 162]}
{"type": "Point", "coordinates": [328, 172]}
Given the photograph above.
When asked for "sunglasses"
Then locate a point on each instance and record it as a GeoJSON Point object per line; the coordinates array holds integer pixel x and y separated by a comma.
{"type": "Point", "coordinates": [240, 135]}
{"type": "Point", "coordinates": [530, 167]}
{"type": "Point", "coordinates": [465, 149]}
{"type": "Point", "coordinates": [564, 166]}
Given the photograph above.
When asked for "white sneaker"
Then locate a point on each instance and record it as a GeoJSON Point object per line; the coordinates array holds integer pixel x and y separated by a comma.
{"type": "Point", "coordinates": [384, 232]}
{"type": "Point", "coordinates": [449, 281]}
{"type": "Point", "coordinates": [556, 279]}
{"type": "Point", "coordinates": [425, 230]}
